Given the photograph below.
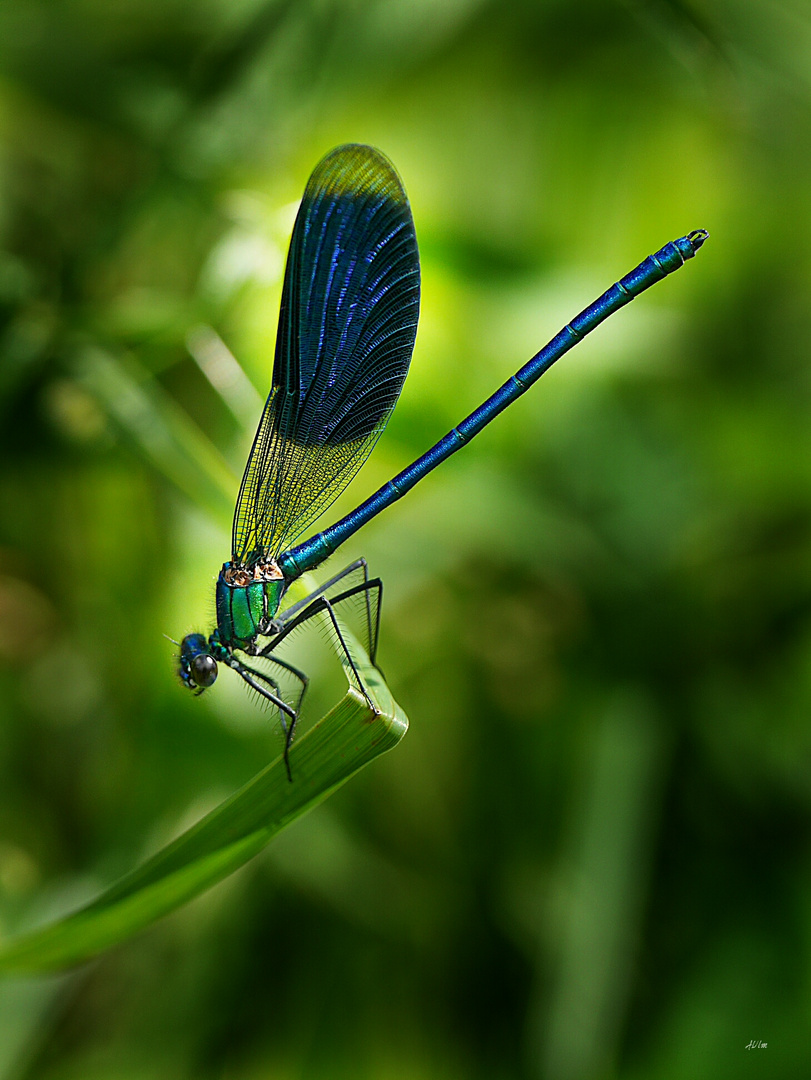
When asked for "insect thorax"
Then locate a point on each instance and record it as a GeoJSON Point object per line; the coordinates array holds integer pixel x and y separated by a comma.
{"type": "Point", "coordinates": [247, 597]}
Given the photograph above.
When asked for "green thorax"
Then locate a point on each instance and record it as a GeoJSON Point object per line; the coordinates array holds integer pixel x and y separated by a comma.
{"type": "Point", "coordinates": [246, 600]}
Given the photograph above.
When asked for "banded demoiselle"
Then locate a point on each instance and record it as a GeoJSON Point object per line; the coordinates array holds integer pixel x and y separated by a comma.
{"type": "Point", "coordinates": [349, 310]}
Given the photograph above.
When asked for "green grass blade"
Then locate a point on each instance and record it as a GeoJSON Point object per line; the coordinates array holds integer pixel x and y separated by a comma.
{"type": "Point", "coordinates": [159, 430]}
{"type": "Point", "coordinates": [347, 738]}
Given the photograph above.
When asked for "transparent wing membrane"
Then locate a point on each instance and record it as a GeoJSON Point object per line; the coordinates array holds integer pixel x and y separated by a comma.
{"type": "Point", "coordinates": [350, 304]}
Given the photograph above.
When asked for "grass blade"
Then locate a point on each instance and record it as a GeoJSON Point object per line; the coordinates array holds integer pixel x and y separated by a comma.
{"type": "Point", "coordinates": [342, 742]}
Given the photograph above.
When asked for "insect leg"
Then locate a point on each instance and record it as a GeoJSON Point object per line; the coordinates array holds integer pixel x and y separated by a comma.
{"type": "Point", "coordinates": [268, 652]}
{"type": "Point", "coordinates": [255, 679]}
{"type": "Point", "coordinates": [371, 614]}
{"type": "Point", "coordinates": [367, 586]}
{"type": "Point", "coordinates": [296, 672]}
{"type": "Point", "coordinates": [294, 609]}
{"type": "Point", "coordinates": [321, 605]}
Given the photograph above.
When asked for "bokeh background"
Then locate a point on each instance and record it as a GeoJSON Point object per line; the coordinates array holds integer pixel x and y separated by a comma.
{"type": "Point", "coordinates": [590, 856]}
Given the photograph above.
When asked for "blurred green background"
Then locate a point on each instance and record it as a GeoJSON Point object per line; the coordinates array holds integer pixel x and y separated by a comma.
{"type": "Point", "coordinates": [590, 856]}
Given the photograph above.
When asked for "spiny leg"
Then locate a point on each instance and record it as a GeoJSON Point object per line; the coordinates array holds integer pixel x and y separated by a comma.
{"type": "Point", "coordinates": [250, 676]}
{"type": "Point", "coordinates": [268, 653]}
{"type": "Point", "coordinates": [300, 605]}
{"type": "Point", "coordinates": [313, 604]}
{"type": "Point", "coordinates": [321, 605]}
{"type": "Point", "coordinates": [366, 586]}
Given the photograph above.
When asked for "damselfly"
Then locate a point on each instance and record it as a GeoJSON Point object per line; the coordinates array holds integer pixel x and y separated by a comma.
{"type": "Point", "coordinates": [350, 303]}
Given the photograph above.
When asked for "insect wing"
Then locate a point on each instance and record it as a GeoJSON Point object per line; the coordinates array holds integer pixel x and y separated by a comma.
{"type": "Point", "coordinates": [350, 304]}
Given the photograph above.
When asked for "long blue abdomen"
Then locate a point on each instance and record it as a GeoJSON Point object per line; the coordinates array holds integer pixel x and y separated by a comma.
{"type": "Point", "coordinates": [671, 257]}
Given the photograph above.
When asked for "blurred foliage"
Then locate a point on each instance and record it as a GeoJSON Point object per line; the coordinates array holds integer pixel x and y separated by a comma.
{"type": "Point", "coordinates": [590, 857]}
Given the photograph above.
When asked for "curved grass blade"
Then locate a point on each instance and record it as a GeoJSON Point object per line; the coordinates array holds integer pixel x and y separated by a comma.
{"type": "Point", "coordinates": [347, 738]}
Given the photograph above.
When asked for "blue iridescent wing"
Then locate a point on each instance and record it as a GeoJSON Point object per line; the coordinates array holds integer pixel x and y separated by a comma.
{"type": "Point", "coordinates": [350, 304]}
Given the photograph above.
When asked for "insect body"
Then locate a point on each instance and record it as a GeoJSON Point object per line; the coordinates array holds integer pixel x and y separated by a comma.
{"type": "Point", "coordinates": [349, 310]}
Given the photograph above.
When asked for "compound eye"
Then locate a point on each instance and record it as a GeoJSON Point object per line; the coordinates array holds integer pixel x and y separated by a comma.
{"type": "Point", "coordinates": [204, 670]}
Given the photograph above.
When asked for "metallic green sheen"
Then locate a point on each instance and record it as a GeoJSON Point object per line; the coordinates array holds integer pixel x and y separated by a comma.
{"type": "Point", "coordinates": [274, 591]}
{"type": "Point", "coordinates": [240, 611]}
